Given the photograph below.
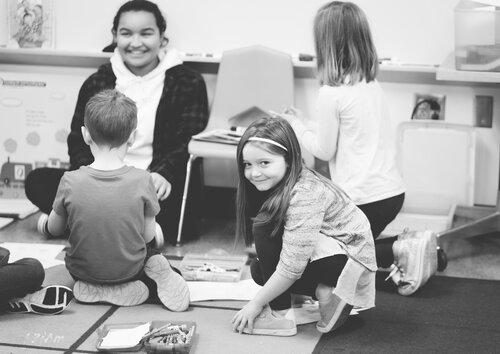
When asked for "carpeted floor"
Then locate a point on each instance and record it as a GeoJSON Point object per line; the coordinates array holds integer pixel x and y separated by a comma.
{"type": "Point", "coordinates": [448, 315]}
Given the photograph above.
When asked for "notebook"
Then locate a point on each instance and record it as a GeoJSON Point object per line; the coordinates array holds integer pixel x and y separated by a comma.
{"type": "Point", "coordinates": [223, 136]}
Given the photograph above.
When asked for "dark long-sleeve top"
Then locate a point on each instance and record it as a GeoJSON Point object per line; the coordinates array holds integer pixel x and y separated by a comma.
{"type": "Point", "coordinates": [182, 112]}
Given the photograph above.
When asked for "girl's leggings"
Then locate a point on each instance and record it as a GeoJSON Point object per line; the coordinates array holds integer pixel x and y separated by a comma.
{"type": "Point", "coordinates": [325, 271]}
{"type": "Point", "coordinates": [380, 214]}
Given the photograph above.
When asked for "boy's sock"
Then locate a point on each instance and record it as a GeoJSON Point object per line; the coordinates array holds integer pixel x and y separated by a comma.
{"type": "Point", "coordinates": [159, 239]}
{"type": "Point", "coordinates": [50, 300]}
{"type": "Point", "coordinates": [173, 291]}
{"type": "Point", "coordinates": [42, 225]}
{"type": "Point", "coordinates": [126, 294]}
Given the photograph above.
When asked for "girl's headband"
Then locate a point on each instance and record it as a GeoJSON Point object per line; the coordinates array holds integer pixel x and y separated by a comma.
{"type": "Point", "coordinates": [269, 141]}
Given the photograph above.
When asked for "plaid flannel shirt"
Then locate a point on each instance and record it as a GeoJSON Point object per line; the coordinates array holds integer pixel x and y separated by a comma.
{"type": "Point", "coordinates": [182, 112]}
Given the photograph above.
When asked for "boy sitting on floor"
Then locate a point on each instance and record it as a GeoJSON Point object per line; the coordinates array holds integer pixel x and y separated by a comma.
{"type": "Point", "coordinates": [109, 209]}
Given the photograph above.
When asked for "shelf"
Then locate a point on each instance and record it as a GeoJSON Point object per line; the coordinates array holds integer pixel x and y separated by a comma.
{"type": "Point", "coordinates": [447, 72]}
{"type": "Point", "coordinates": [407, 73]}
{"type": "Point", "coordinates": [52, 58]}
{"type": "Point", "coordinates": [398, 73]}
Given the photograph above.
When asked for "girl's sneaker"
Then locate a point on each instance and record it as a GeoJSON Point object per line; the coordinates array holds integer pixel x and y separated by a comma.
{"type": "Point", "coordinates": [415, 260]}
{"type": "Point", "coordinates": [127, 294]}
{"type": "Point", "coordinates": [50, 300]}
{"type": "Point", "coordinates": [173, 290]}
{"type": "Point", "coordinates": [270, 323]}
{"type": "Point", "coordinates": [334, 312]}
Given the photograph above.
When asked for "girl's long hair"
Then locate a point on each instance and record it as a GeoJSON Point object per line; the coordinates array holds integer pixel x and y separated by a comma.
{"type": "Point", "coordinates": [345, 50]}
{"type": "Point", "coordinates": [273, 210]}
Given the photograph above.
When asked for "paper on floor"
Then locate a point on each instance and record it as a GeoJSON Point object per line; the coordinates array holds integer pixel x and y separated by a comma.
{"type": "Point", "coordinates": [246, 290]}
{"type": "Point", "coordinates": [210, 290]}
{"type": "Point", "coordinates": [5, 221]}
{"type": "Point", "coordinates": [44, 252]}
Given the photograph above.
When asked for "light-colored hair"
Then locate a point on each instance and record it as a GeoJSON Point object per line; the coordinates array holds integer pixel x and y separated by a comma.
{"type": "Point", "coordinates": [274, 208]}
{"type": "Point", "coordinates": [345, 50]}
{"type": "Point", "coordinates": [110, 117]}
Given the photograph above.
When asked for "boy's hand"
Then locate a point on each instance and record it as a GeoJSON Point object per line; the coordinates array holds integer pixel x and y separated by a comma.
{"type": "Point", "coordinates": [162, 186]}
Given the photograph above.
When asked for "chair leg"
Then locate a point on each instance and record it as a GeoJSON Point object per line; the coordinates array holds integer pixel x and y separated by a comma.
{"type": "Point", "coordinates": [184, 197]}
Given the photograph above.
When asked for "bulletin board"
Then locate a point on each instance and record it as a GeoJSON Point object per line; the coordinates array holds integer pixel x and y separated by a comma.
{"type": "Point", "coordinates": [35, 116]}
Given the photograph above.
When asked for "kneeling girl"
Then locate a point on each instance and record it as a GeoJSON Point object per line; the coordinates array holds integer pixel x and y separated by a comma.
{"type": "Point", "coordinates": [310, 238]}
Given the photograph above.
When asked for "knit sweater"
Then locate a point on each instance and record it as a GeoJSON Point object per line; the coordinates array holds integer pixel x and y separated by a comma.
{"type": "Point", "coordinates": [317, 207]}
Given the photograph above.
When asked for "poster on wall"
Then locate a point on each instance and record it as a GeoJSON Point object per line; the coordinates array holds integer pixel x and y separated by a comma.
{"type": "Point", "coordinates": [30, 24]}
{"type": "Point", "coordinates": [35, 116]}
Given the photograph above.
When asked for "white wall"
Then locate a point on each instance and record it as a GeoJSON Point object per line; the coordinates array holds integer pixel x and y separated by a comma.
{"type": "Point", "coordinates": [418, 32]}
{"type": "Point", "coordinates": [413, 31]}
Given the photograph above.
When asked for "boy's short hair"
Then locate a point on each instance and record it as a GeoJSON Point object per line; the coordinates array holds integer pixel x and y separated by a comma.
{"type": "Point", "coordinates": [110, 118]}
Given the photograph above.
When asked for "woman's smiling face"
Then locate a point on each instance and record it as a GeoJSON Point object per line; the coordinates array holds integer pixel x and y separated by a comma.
{"type": "Point", "coordinates": [139, 41]}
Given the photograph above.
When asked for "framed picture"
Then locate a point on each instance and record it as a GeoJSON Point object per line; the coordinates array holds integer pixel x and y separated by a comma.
{"type": "Point", "coordinates": [30, 23]}
{"type": "Point", "coordinates": [429, 107]}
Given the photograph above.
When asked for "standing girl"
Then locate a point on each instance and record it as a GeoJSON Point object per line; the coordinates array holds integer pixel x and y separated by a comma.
{"type": "Point", "coordinates": [352, 131]}
{"type": "Point", "coordinates": [172, 106]}
{"type": "Point", "coordinates": [309, 236]}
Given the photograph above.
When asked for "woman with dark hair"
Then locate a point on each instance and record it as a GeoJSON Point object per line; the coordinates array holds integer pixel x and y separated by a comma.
{"type": "Point", "coordinates": [172, 107]}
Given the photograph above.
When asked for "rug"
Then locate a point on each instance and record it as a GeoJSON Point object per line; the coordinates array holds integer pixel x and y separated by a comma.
{"type": "Point", "coordinates": [447, 315]}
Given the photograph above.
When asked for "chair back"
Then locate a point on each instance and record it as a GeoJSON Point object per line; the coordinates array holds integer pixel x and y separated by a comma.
{"type": "Point", "coordinates": [254, 76]}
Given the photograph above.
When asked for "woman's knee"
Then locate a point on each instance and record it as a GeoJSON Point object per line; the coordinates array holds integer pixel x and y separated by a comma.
{"type": "Point", "coordinates": [32, 269]}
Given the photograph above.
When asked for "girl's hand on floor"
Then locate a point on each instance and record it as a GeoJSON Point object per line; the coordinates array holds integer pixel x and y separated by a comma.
{"type": "Point", "coordinates": [162, 186]}
{"type": "Point", "coordinates": [246, 316]}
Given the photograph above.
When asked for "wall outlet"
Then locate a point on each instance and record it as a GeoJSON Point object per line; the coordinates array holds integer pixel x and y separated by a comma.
{"type": "Point", "coordinates": [483, 111]}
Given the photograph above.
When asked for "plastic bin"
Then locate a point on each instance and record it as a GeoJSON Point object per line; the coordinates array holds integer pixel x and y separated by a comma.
{"type": "Point", "coordinates": [477, 36]}
{"type": "Point", "coordinates": [437, 161]}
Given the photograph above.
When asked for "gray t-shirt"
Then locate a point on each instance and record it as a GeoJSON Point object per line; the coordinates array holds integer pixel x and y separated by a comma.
{"type": "Point", "coordinates": [106, 212]}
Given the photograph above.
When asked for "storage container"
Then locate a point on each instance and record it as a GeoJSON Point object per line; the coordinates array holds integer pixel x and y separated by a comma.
{"type": "Point", "coordinates": [437, 161]}
{"type": "Point", "coordinates": [477, 36]}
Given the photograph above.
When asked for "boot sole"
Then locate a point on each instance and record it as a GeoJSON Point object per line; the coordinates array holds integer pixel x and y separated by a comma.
{"type": "Point", "coordinates": [272, 332]}
{"type": "Point", "coordinates": [51, 300]}
{"type": "Point", "coordinates": [127, 294]}
{"type": "Point", "coordinates": [173, 290]}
